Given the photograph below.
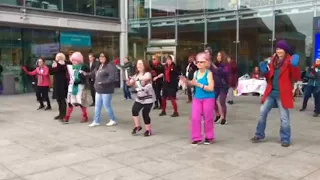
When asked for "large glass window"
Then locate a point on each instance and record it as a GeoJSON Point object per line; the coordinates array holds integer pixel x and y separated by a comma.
{"type": "Point", "coordinates": [159, 31]}
{"type": "Point", "coordinates": [255, 36]}
{"type": "Point", "coordinates": [54, 5]}
{"type": "Point", "coordinates": [248, 4]}
{"type": "Point", "coordinates": [139, 9]}
{"type": "Point", "coordinates": [279, 2]}
{"type": "Point", "coordinates": [297, 29]}
{"type": "Point", "coordinates": [190, 6]}
{"type": "Point", "coordinates": [12, 2]}
{"type": "Point", "coordinates": [220, 5]}
{"type": "Point", "coordinates": [108, 8]}
{"type": "Point", "coordinates": [137, 42]}
{"type": "Point", "coordinates": [106, 42]}
{"type": "Point", "coordinates": [163, 8]}
{"type": "Point", "coordinates": [79, 6]}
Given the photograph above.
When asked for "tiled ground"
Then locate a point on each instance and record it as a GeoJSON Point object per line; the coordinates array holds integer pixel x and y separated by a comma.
{"type": "Point", "coordinates": [33, 146]}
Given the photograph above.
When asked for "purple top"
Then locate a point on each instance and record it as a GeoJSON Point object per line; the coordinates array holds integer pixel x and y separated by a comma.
{"type": "Point", "coordinates": [220, 75]}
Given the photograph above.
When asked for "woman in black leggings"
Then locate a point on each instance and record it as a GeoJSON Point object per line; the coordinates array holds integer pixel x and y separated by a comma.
{"type": "Point", "coordinates": [142, 81]}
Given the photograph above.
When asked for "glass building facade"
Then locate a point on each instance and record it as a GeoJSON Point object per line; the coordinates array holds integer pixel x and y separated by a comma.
{"type": "Point", "coordinates": [246, 29]}
{"type": "Point", "coordinates": [107, 8]}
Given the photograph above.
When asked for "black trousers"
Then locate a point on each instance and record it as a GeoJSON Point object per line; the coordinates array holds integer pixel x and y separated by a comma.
{"type": "Point", "coordinates": [146, 108]}
{"type": "Point", "coordinates": [189, 93]}
{"type": "Point", "coordinates": [42, 94]}
{"type": "Point", "coordinates": [157, 90]}
{"type": "Point", "coordinates": [92, 91]}
{"type": "Point", "coordinates": [62, 105]}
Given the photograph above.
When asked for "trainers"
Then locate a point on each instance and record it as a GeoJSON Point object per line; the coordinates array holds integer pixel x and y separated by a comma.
{"type": "Point", "coordinates": [207, 141]}
{"type": "Point", "coordinates": [256, 139]}
{"type": "Point", "coordinates": [302, 109]}
{"type": "Point", "coordinates": [175, 114]}
{"type": "Point", "coordinates": [94, 124]}
{"type": "Point", "coordinates": [136, 129]}
{"type": "Point", "coordinates": [285, 144]}
{"type": "Point", "coordinates": [217, 120]}
{"type": "Point", "coordinates": [230, 102]}
{"type": "Point", "coordinates": [223, 122]}
{"type": "Point", "coordinates": [147, 133]}
{"type": "Point", "coordinates": [57, 117]}
{"type": "Point", "coordinates": [196, 143]}
{"type": "Point", "coordinates": [111, 123]}
{"type": "Point", "coordinates": [163, 113]}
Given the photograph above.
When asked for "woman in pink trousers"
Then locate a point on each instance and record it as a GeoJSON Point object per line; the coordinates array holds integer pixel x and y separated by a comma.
{"type": "Point", "coordinates": [203, 101]}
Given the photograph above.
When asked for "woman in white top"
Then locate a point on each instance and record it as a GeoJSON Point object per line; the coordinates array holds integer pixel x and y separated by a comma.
{"type": "Point", "coordinates": [142, 81]}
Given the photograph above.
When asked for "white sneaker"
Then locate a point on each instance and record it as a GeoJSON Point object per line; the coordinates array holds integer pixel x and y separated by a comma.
{"type": "Point", "coordinates": [94, 124]}
{"type": "Point", "coordinates": [111, 123]}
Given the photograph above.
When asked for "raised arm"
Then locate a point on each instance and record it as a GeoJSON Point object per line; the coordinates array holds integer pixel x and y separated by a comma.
{"type": "Point", "coordinates": [295, 69]}
{"type": "Point", "coordinates": [32, 73]}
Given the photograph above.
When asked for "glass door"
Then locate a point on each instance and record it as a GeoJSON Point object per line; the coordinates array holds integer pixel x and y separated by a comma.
{"type": "Point", "coordinates": [161, 52]}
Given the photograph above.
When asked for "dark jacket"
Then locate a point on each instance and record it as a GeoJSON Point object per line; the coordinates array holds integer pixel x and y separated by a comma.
{"type": "Point", "coordinates": [174, 77]}
{"type": "Point", "coordinates": [60, 81]}
{"type": "Point", "coordinates": [192, 68]}
{"type": "Point", "coordinates": [313, 75]}
{"type": "Point", "coordinates": [156, 70]}
{"type": "Point", "coordinates": [105, 78]}
{"type": "Point", "coordinates": [126, 68]}
{"type": "Point", "coordinates": [221, 75]}
{"type": "Point", "coordinates": [94, 65]}
{"type": "Point", "coordinates": [233, 75]}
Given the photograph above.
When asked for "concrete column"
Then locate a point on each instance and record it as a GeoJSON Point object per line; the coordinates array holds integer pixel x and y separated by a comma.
{"type": "Point", "coordinates": [124, 32]}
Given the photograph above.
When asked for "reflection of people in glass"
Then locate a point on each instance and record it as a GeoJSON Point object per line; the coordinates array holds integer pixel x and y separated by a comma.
{"type": "Point", "coordinates": [279, 73]}
{"type": "Point", "coordinates": [313, 87]}
{"type": "Point", "coordinates": [60, 87]}
{"type": "Point", "coordinates": [42, 73]}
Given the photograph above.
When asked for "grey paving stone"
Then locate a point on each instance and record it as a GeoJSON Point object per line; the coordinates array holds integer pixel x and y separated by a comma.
{"type": "Point", "coordinates": [123, 174]}
{"type": "Point", "coordinates": [6, 142]}
{"type": "Point", "coordinates": [259, 174]}
{"type": "Point", "coordinates": [33, 166]}
{"type": "Point", "coordinates": [6, 174]}
{"type": "Point", "coordinates": [96, 166]}
{"type": "Point", "coordinates": [73, 157]}
{"type": "Point", "coordinates": [63, 173]}
{"type": "Point", "coordinates": [190, 174]}
{"type": "Point", "coordinates": [313, 176]}
{"type": "Point", "coordinates": [129, 157]}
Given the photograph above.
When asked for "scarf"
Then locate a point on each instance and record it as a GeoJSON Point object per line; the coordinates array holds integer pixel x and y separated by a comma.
{"type": "Point", "coordinates": [77, 80]}
{"type": "Point", "coordinates": [167, 73]}
{"type": "Point", "coordinates": [277, 63]}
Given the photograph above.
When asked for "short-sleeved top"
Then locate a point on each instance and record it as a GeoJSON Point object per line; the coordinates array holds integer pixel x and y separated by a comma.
{"type": "Point", "coordinates": [199, 92]}
{"type": "Point", "coordinates": [143, 84]}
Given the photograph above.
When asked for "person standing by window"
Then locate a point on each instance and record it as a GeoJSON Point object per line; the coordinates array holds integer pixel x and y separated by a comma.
{"type": "Point", "coordinates": [142, 81]}
{"type": "Point", "coordinates": [170, 87]}
{"type": "Point", "coordinates": [60, 87]}
{"type": "Point", "coordinates": [279, 73]}
{"type": "Point", "coordinates": [221, 70]}
{"type": "Point", "coordinates": [157, 83]}
{"type": "Point", "coordinates": [92, 66]}
{"type": "Point", "coordinates": [203, 102]}
{"type": "Point", "coordinates": [105, 82]}
{"type": "Point", "coordinates": [43, 83]}
{"type": "Point", "coordinates": [126, 73]}
{"type": "Point", "coordinates": [191, 68]}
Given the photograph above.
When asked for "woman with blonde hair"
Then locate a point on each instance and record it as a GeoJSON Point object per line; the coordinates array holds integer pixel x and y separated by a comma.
{"type": "Point", "coordinates": [60, 84]}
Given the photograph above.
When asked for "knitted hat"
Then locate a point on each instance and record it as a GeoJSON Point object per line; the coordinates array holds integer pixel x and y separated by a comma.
{"type": "Point", "coordinates": [77, 56]}
{"type": "Point", "coordinates": [282, 44]}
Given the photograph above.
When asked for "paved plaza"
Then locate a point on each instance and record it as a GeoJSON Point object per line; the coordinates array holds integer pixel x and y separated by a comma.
{"type": "Point", "coordinates": [33, 146]}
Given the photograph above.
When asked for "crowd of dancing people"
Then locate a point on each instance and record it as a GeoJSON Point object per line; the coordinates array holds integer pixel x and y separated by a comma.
{"type": "Point", "coordinates": [210, 79]}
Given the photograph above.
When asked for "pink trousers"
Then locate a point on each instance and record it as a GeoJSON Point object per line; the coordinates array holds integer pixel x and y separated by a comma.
{"type": "Point", "coordinates": [202, 108]}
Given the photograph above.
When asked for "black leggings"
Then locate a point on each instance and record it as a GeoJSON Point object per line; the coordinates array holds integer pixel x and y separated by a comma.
{"type": "Point", "coordinates": [42, 94]}
{"type": "Point", "coordinates": [146, 108]}
{"type": "Point", "coordinates": [62, 106]}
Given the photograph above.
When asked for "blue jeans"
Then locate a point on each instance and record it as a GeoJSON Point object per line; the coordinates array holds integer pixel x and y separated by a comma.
{"type": "Point", "coordinates": [126, 91]}
{"type": "Point", "coordinates": [285, 130]}
{"type": "Point", "coordinates": [105, 100]}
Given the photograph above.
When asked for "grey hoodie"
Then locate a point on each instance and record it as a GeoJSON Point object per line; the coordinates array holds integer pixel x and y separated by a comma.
{"type": "Point", "coordinates": [105, 78]}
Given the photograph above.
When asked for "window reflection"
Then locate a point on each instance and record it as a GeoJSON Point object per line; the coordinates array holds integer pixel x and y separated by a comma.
{"type": "Point", "coordinates": [138, 9]}
{"type": "Point", "coordinates": [79, 6]}
{"type": "Point", "coordinates": [255, 3]}
{"type": "Point", "coordinates": [163, 8]}
{"type": "Point", "coordinates": [12, 2]}
{"type": "Point", "coordinates": [220, 5]}
{"type": "Point", "coordinates": [108, 8]}
{"type": "Point", "coordinates": [54, 5]}
{"type": "Point", "coordinates": [190, 6]}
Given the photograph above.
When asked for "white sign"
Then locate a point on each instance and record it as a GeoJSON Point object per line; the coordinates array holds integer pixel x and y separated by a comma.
{"type": "Point", "coordinates": [251, 86]}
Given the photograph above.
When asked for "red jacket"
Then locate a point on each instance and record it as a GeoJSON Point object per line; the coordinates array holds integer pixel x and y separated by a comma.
{"type": "Point", "coordinates": [288, 74]}
{"type": "Point", "coordinates": [42, 76]}
{"type": "Point", "coordinates": [233, 75]}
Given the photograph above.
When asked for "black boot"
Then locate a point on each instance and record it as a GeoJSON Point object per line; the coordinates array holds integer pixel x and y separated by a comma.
{"type": "Point", "coordinates": [156, 106]}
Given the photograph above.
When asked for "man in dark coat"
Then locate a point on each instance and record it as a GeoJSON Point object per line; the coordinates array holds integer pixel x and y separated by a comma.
{"type": "Point", "coordinates": [92, 66]}
{"type": "Point", "coordinates": [190, 69]}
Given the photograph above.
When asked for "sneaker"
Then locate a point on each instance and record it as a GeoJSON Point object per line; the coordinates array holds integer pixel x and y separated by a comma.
{"type": "Point", "coordinates": [111, 123]}
{"type": "Point", "coordinates": [207, 141]}
{"type": "Point", "coordinates": [230, 102]}
{"type": "Point", "coordinates": [175, 114]}
{"type": "Point", "coordinates": [217, 120]}
{"type": "Point", "coordinates": [302, 109]}
{"type": "Point", "coordinates": [147, 133]}
{"type": "Point", "coordinates": [256, 139]}
{"type": "Point", "coordinates": [136, 129]}
{"type": "Point", "coordinates": [57, 117]}
{"type": "Point", "coordinates": [223, 122]}
{"type": "Point", "coordinates": [91, 105]}
{"type": "Point", "coordinates": [285, 144]}
{"type": "Point", "coordinates": [94, 124]}
{"type": "Point", "coordinates": [196, 143]}
{"type": "Point", "coordinates": [48, 108]}
{"type": "Point", "coordinates": [163, 113]}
